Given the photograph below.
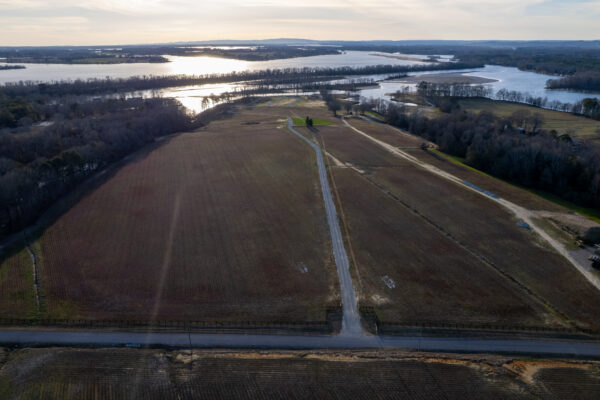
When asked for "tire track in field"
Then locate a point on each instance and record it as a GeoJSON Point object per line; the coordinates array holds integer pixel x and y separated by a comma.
{"type": "Point", "coordinates": [34, 265]}
{"type": "Point", "coordinates": [351, 325]}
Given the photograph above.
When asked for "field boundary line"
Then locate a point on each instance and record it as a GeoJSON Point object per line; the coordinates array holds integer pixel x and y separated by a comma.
{"type": "Point", "coordinates": [505, 275]}
{"type": "Point", "coordinates": [34, 266]}
{"type": "Point", "coordinates": [518, 211]}
{"type": "Point", "coordinates": [351, 325]}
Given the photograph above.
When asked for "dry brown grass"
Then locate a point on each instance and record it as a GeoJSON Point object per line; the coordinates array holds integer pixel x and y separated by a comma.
{"type": "Point", "coordinates": [221, 224]}
{"type": "Point", "coordinates": [388, 134]}
{"type": "Point", "coordinates": [492, 233]}
{"type": "Point", "coordinates": [17, 295]}
{"type": "Point", "coordinates": [503, 189]}
{"type": "Point", "coordinates": [482, 227]}
{"type": "Point", "coordinates": [436, 280]}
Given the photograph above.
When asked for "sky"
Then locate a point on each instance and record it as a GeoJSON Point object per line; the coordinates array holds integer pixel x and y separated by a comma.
{"type": "Point", "coordinates": [103, 22]}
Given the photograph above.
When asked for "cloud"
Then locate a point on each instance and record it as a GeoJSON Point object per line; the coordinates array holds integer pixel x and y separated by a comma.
{"type": "Point", "coordinates": [137, 21]}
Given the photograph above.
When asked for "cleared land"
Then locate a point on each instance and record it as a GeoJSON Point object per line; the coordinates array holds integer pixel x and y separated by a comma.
{"type": "Point", "coordinates": [388, 134]}
{"type": "Point", "coordinates": [411, 144]}
{"type": "Point", "coordinates": [579, 127]}
{"type": "Point", "coordinates": [491, 233]}
{"type": "Point", "coordinates": [17, 296]}
{"type": "Point", "coordinates": [353, 149]}
{"type": "Point", "coordinates": [228, 224]}
{"type": "Point", "coordinates": [486, 231]}
{"type": "Point", "coordinates": [158, 374]}
{"type": "Point", "coordinates": [221, 224]}
{"type": "Point", "coordinates": [412, 273]}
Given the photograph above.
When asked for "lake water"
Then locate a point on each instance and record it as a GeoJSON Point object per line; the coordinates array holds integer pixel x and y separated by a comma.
{"type": "Point", "coordinates": [189, 66]}
{"type": "Point", "coordinates": [508, 78]}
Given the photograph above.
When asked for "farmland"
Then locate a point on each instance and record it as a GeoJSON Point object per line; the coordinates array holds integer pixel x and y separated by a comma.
{"type": "Point", "coordinates": [17, 296]}
{"type": "Point", "coordinates": [159, 374]}
{"type": "Point", "coordinates": [452, 232]}
{"type": "Point", "coordinates": [576, 126]}
{"type": "Point", "coordinates": [222, 224]}
{"type": "Point", "coordinates": [528, 198]}
{"type": "Point", "coordinates": [227, 224]}
{"type": "Point", "coordinates": [492, 234]}
{"type": "Point", "coordinates": [429, 276]}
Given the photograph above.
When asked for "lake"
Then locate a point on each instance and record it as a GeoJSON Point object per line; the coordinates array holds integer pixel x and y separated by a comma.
{"type": "Point", "coordinates": [189, 66]}
{"type": "Point", "coordinates": [508, 78]}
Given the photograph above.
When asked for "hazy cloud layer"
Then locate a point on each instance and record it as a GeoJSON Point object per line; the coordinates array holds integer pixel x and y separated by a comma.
{"type": "Point", "coordinates": [42, 22]}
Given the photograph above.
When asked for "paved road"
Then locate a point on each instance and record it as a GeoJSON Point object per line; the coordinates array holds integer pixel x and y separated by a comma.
{"type": "Point", "coordinates": [351, 319]}
{"type": "Point", "coordinates": [200, 340]}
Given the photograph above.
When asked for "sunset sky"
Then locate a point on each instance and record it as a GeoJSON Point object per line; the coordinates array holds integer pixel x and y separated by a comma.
{"type": "Point", "coordinates": [86, 22]}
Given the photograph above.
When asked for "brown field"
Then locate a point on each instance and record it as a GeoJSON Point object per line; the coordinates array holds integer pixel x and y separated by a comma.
{"type": "Point", "coordinates": [227, 224]}
{"type": "Point", "coordinates": [473, 222]}
{"type": "Point", "coordinates": [351, 148]}
{"type": "Point", "coordinates": [159, 374]}
{"type": "Point", "coordinates": [388, 134]}
{"type": "Point", "coordinates": [436, 281]}
{"type": "Point", "coordinates": [503, 189]}
{"type": "Point", "coordinates": [221, 224]}
{"type": "Point", "coordinates": [17, 296]}
{"type": "Point", "coordinates": [492, 233]}
{"type": "Point", "coordinates": [411, 144]}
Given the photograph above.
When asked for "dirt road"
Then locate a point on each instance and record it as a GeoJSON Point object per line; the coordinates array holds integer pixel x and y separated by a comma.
{"type": "Point", "coordinates": [351, 325]}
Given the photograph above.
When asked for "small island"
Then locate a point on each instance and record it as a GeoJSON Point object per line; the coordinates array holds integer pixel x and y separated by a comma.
{"type": "Point", "coordinates": [9, 66]}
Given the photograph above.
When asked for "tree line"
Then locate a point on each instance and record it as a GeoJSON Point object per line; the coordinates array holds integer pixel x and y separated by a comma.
{"type": "Point", "coordinates": [579, 81]}
{"type": "Point", "coordinates": [502, 147]}
{"type": "Point", "coordinates": [269, 76]}
{"type": "Point", "coordinates": [38, 165]}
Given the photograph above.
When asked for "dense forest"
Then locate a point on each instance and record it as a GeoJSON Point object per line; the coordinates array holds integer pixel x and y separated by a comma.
{"type": "Point", "coordinates": [512, 148]}
{"type": "Point", "coordinates": [554, 58]}
{"type": "Point", "coordinates": [77, 55]}
{"type": "Point", "coordinates": [261, 53]}
{"type": "Point", "coordinates": [154, 53]}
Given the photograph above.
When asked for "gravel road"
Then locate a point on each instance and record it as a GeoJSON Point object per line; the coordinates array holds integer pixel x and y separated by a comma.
{"type": "Point", "coordinates": [351, 319]}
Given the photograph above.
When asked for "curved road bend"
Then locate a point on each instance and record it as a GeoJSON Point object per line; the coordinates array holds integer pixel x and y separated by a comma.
{"type": "Point", "coordinates": [203, 340]}
{"type": "Point", "coordinates": [351, 319]}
